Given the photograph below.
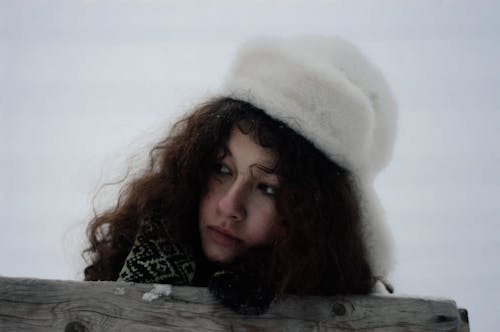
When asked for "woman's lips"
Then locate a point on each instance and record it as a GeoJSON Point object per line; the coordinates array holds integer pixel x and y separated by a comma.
{"type": "Point", "coordinates": [222, 236]}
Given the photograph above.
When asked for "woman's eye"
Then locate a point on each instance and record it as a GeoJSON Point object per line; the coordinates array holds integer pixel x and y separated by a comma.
{"type": "Point", "coordinates": [268, 190]}
{"type": "Point", "coordinates": [222, 169]}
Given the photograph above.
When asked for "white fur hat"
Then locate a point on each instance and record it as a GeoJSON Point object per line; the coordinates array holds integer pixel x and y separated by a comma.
{"type": "Point", "coordinates": [326, 90]}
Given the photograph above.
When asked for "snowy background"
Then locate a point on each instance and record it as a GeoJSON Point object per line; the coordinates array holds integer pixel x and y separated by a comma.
{"type": "Point", "coordinates": [87, 85]}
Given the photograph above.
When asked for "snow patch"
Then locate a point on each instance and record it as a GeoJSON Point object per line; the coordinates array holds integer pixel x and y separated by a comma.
{"type": "Point", "coordinates": [156, 292]}
{"type": "Point", "coordinates": [119, 291]}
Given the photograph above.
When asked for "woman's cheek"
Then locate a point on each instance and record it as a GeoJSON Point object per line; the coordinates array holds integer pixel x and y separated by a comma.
{"type": "Point", "coordinates": [264, 229]}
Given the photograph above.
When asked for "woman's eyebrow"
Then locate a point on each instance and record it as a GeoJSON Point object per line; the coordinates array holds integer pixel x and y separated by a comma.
{"type": "Point", "coordinates": [225, 152]}
{"type": "Point", "coordinates": [262, 165]}
{"type": "Point", "coordinates": [265, 169]}
{"type": "Point", "coordinates": [262, 173]}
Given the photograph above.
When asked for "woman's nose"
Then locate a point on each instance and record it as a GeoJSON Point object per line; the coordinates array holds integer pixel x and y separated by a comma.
{"type": "Point", "coordinates": [232, 202]}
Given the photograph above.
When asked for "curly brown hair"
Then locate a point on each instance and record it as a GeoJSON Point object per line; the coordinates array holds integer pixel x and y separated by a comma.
{"type": "Point", "coordinates": [322, 252]}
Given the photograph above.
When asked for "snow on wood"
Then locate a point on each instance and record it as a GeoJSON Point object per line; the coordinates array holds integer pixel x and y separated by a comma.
{"type": "Point", "coordinates": [157, 292]}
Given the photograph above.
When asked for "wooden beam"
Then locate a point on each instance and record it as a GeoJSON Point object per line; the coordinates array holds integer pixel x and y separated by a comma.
{"type": "Point", "coordinates": [49, 305]}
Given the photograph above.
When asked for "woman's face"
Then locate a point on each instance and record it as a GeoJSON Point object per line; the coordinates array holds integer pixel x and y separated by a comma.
{"type": "Point", "coordinates": [238, 211]}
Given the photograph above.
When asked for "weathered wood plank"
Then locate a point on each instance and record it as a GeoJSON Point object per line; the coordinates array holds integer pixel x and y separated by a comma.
{"type": "Point", "coordinates": [48, 305]}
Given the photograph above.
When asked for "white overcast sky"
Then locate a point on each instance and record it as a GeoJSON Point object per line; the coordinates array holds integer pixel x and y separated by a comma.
{"type": "Point", "coordinates": [87, 85]}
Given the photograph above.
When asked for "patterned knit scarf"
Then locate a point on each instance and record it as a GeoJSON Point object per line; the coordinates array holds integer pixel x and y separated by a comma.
{"type": "Point", "coordinates": [153, 260]}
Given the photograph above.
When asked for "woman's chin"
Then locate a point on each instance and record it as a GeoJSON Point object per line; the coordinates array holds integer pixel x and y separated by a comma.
{"type": "Point", "coordinates": [219, 257]}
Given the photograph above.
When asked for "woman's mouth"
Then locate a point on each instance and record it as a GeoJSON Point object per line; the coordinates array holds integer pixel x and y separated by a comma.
{"type": "Point", "coordinates": [222, 236]}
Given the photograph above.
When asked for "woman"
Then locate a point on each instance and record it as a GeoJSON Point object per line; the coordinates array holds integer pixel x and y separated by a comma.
{"type": "Point", "coordinates": [265, 189]}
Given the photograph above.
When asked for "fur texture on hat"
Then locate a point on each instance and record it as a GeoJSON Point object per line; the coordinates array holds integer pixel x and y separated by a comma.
{"type": "Point", "coordinates": [326, 90]}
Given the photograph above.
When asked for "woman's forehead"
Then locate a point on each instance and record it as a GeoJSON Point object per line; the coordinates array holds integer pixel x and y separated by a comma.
{"type": "Point", "coordinates": [243, 146]}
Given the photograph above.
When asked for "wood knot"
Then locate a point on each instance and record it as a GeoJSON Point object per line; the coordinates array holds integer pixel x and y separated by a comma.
{"type": "Point", "coordinates": [464, 315]}
{"type": "Point", "coordinates": [444, 318]}
{"type": "Point", "coordinates": [75, 327]}
{"type": "Point", "coordinates": [338, 309]}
